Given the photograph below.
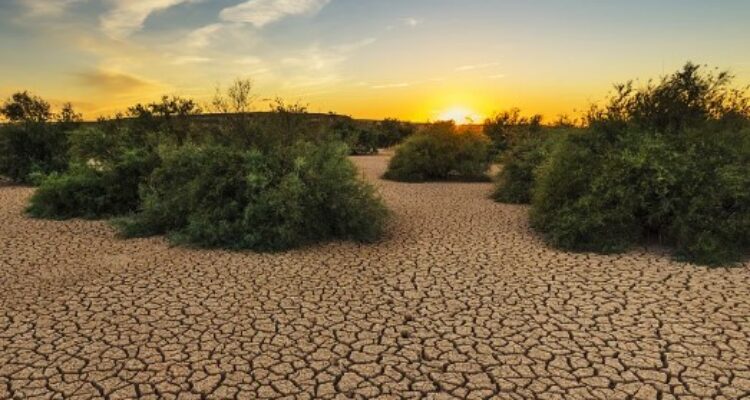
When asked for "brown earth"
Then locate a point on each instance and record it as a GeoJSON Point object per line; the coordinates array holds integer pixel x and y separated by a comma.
{"type": "Point", "coordinates": [461, 301]}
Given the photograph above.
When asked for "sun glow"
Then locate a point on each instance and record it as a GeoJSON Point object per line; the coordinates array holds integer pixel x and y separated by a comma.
{"type": "Point", "coordinates": [460, 115]}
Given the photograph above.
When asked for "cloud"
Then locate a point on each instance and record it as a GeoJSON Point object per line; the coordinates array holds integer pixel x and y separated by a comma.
{"type": "Point", "coordinates": [348, 47]}
{"type": "Point", "coordinates": [110, 81]}
{"type": "Point", "coordinates": [316, 58]}
{"type": "Point", "coordinates": [412, 22]}
{"type": "Point", "coordinates": [128, 16]}
{"type": "Point", "coordinates": [183, 60]}
{"type": "Point", "coordinates": [476, 66]}
{"type": "Point", "coordinates": [249, 60]}
{"type": "Point", "coordinates": [201, 37]}
{"type": "Point", "coordinates": [47, 7]}
{"type": "Point", "coordinates": [497, 76]}
{"type": "Point", "coordinates": [392, 85]}
{"type": "Point", "coordinates": [263, 12]}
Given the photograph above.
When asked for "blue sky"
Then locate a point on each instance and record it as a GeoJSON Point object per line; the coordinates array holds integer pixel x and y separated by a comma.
{"type": "Point", "coordinates": [369, 58]}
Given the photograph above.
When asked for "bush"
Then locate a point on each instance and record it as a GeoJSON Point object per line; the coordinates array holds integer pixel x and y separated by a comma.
{"type": "Point", "coordinates": [30, 150]}
{"type": "Point", "coordinates": [94, 190]}
{"type": "Point", "coordinates": [31, 145]}
{"type": "Point", "coordinates": [515, 182]}
{"type": "Point", "coordinates": [217, 196]}
{"type": "Point", "coordinates": [667, 162]}
{"type": "Point", "coordinates": [506, 127]}
{"type": "Point", "coordinates": [361, 140]}
{"type": "Point", "coordinates": [440, 152]}
{"type": "Point", "coordinates": [393, 132]}
{"type": "Point", "coordinates": [107, 165]}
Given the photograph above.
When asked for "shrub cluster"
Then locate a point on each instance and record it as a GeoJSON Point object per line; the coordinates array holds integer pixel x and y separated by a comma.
{"type": "Point", "coordinates": [108, 162]}
{"type": "Point", "coordinates": [668, 162]}
{"type": "Point", "coordinates": [34, 142]}
{"type": "Point", "coordinates": [507, 127]}
{"type": "Point", "coordinates": [216, 196]}
{"type": "Point", "coordinates": [266, 184]}
{"type": "Point", "coordinates": [515, 182]}
{"type": "Point", "coordinates": [440, 151]}
{"type": "Point", "coordinates": [365, 137]}
{"type": "Point", "coordinates": [360, 139]}
{"type": "Point", "coordinates": [94, 190]}
{"type": "Point", "coordinates": [392, 132]}
{"type": "Point", "coordinates": [30, 150]}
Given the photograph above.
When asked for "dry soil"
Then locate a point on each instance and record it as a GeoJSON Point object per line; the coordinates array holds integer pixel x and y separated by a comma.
{"type": "Point", "coordinates": [462, 300]}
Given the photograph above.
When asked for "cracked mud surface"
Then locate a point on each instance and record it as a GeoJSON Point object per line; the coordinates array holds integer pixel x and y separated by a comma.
{"type": "Point", "coordinates": [462, 301]}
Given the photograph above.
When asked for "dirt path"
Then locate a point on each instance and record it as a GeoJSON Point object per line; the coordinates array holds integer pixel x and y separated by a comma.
{"type": "Point", "coordinates": [462, 301]}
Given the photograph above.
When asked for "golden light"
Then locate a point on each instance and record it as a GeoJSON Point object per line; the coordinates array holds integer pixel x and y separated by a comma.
{"type": "Point", "coordinates": [460, 115]}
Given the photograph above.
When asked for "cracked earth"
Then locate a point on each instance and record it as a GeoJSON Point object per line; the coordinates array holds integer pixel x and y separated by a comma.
{"type": "Point", "coordinates": [461, 301]}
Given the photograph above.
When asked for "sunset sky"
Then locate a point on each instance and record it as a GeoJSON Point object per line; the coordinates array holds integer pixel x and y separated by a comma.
{"type": "Point", "coordinates": [411, 59]}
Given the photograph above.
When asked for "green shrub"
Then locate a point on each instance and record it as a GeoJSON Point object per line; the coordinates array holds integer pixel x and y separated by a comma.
{"type": "Point", "coordinates": [107, 165]}
{"type": "Point", "coordinates": [506, 127]}
{"type": "Point", "coordinates": [440, 152]}
{"type": "Point", "coordinates": [392, 132]}
{"type": "Point", "coordinates": [32, 145]}
{"type": "Point", "coordinates": [360, 139]}
{"type": "Point", "coordinates": [217, 196]}
{"type": "Point", "coordinates": [515, 181]}
{"type": "Point", "coordinates": [95, 189]}
{"type": "Point", "coordinates": [29, 150]}
{"type": "Point", "coordinates": [666, 163]}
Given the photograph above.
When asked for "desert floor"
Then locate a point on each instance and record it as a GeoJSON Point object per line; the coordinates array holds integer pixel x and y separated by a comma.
{"type": "Point", "coordinates": [461, 301]}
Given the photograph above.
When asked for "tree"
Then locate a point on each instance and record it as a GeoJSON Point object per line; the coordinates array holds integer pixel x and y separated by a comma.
{"type": "Point", "coordinates": [24, 107]}
{"type": "Point", "coordinates": [170, 114]}
{"type": "Point", "coordinates": [237, 99]}
{"type": "Point", "coordinates": [69, 115]}
{"type": "Point", "coordinates": [504, 127]}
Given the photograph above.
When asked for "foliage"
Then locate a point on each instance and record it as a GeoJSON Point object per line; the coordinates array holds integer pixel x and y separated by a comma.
{"type": "Point", "coordinates": [25, 107]}
{"type": "Point", "coordinates": [393, 132]}
{"type": "Point", "coordinates": [688, 98]}
{"type": "Point", "coordinates": [68, 115]}
{"type": "Point", "coordinates": [34, 143]}
{"type": "Point", "coordinates": [361, 140]}
{"type": "Point", "coordinates": [170, 116]}
{"type": "Point", "coordinates": [667, 162]}
{"type": "Point", "coordinates": [108, 162]}
{"type": "Point", "coordinates": [515, 181]}
{"type": "Point", "coordinates": [216, 196]}
{"type": "Point", "coordinates": [238, 98]}
{"type": "Point", "coordinates": [94, 190]}
{"type": "Point", "coordinates": [506, 127]}
{"type": "Point", "coordinates": [30, 150]}
{"type": "Point", "coordinates": [266, 183]}
{"type": "Point", "coordinates": [440, 152]}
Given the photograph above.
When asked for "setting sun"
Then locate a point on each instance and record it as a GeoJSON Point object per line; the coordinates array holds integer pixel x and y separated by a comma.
{"type": "Point", "coordinates": [459, 115]}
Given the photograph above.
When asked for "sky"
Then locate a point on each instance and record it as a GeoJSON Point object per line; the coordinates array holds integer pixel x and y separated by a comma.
{"type": "Point", "coordinates": [409, 59]}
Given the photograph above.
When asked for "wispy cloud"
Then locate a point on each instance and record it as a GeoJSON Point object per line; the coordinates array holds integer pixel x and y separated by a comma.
{"type": "Point", "coordinates": [183, 60]}
{"type": "Point", "coordinates": [201, 37]}
{"type": "Point", "coordinates": [397, 85]}
{"type": "Point", "coordinates": [111, 81]}
{"type": "Point", "coordinates": [392, 85]}
{"type": "Point", "coordinates": [249, 60]}
{"type": "Point", "coordinates": [348, 47]}
{"type": "Point", "coordinates": [314, 58]}
{"type": "Point", "coordinates": [473, 67]}
{"type": "Point", "coordinates": [128, 16]}
{"type": "Point", "coordinates": [263, 12]}
{"type": "Point", "coordinates": [412, 22]}
{"type": "Point", "coordinates": [318, 58]}
{"type": "Point", "coordinates": [497, 76]}
{"type": "Point", "coordinates": [47, 7]}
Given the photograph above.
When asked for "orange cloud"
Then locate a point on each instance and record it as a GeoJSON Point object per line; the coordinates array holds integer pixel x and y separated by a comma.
{"type": "Point", "coordinates": [113, 81]}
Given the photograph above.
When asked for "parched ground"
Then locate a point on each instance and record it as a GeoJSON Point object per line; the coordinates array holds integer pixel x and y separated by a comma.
{"type": "Point", "coordinates": [462, 301]}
